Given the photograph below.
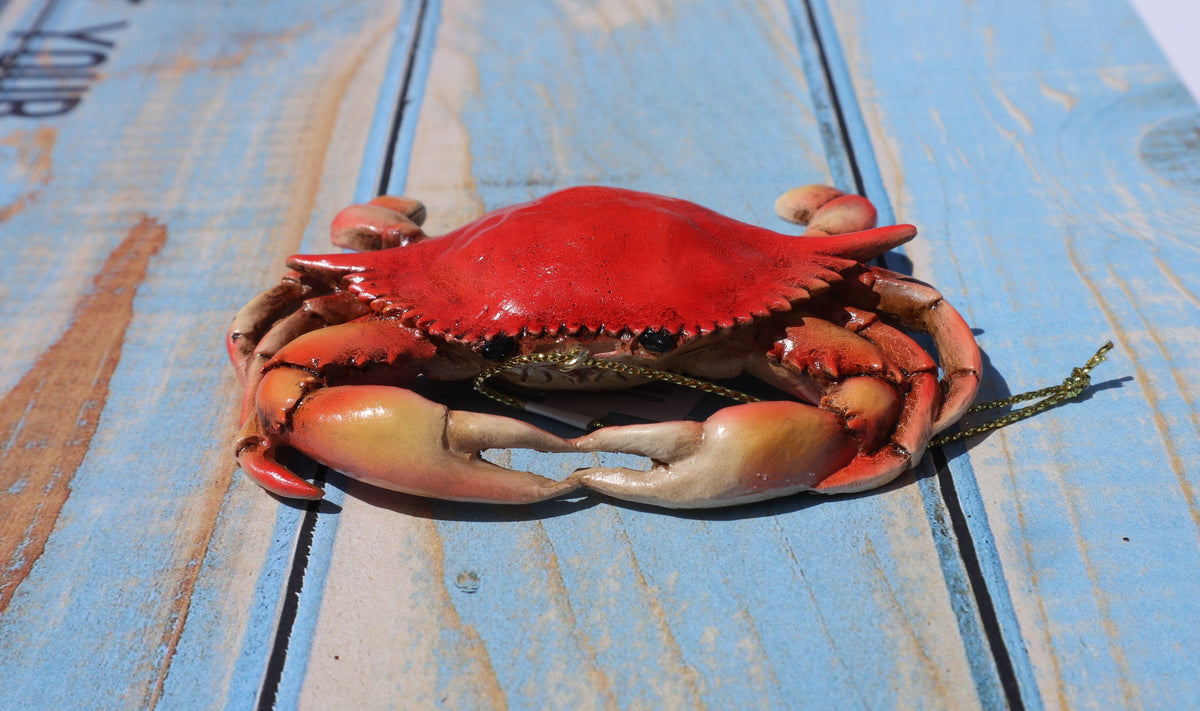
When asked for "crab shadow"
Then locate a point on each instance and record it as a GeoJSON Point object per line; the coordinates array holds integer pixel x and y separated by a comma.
{"type": "Point", "coordinates": [462, 512]}
{"type": "Point", "coordinates": [993, 387]}
{"type": "Point", "coordinates": [462, 396]}
{"type": "Point", "coordinates": [412, 505]}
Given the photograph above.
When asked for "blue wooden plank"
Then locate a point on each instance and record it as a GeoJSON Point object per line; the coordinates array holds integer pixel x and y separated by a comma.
{"type": "Point", "coordinates": [581, 601]}
{"type": "Point", "coordinates": [1043, 151]}
{"type": "Point", "coordinates": [566, 604]}
{"type": "Point", "coordinates": [388, 139]}
{"type": "Point", "coordinates": [999, 663]}
{"type": "Point", "coordinates": [213, 127]}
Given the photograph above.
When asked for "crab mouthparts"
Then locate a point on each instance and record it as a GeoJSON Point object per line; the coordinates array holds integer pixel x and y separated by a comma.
{"type": "Point", "coordinates": [579, 378]}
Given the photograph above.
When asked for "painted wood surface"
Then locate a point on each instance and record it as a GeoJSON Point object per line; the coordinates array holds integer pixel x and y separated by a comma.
{"type": "Point", "coordinates": [1051, 160]}
{"type": "Point", "coordinates": [726, 609]}
{"type": "Point", "coordinates": [1046, 153]}
{"type": "Point", "coordinates": [135, 222]}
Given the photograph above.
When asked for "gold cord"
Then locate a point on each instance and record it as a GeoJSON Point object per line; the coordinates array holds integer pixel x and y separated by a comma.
{"type": "Point", "coordinates": [579, 357]}
{"type": "Point", "coordinates": [1078, 381]}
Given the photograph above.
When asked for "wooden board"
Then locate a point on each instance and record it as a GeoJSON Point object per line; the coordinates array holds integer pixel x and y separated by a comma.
{"type": "Point", "coordinates": [629, 596]}
{"type": "Point", "coordinates": [1046, 153]}
{"type": "Point", "coordinates": [1052, 164]}
{"type": "Point", "coordinates": [135, 223]}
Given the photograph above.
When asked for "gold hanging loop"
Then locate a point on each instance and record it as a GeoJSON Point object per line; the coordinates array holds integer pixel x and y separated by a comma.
{"type": "Point", "coordinates": [1078, 381]}
{"type": "Point", "coordinates": [580, 358]}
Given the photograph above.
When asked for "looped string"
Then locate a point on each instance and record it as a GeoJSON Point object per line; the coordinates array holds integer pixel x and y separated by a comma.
{"type": "Point", "coordinates": [579, 358]}
{"type": "Point", "coordinates": [1078, 381]}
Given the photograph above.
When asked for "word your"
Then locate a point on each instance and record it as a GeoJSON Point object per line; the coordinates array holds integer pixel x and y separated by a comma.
{"type": "Point", "coordinates": [49, 71]}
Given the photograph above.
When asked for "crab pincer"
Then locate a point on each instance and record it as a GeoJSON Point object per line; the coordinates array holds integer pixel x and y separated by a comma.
{"type": "Point", "coordinates": [743, 453]}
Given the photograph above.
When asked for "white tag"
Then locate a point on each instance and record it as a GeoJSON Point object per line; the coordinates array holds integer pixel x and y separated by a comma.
{"type": "Point", "coordinates": [574, 419]}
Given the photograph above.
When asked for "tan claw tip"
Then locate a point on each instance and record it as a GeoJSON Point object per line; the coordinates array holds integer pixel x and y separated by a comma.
{"type": "Point", "coordinates": [826, 210]}
{"type": "Point", "coordinates": [798, 205]}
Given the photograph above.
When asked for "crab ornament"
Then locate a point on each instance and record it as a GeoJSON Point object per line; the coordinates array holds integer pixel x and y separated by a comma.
{"type": "Point", "coordinates": [622, 278]}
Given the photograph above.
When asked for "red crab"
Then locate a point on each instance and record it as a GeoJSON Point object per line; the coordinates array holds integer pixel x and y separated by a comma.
{"type": "Point", "coordinates": [632, 278]}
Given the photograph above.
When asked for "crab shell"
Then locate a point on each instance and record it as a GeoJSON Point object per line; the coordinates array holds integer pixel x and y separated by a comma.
{"type": "Point", "coordinates": [632, 278]}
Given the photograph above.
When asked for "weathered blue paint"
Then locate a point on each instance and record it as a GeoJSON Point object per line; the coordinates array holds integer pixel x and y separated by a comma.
{"type": "Point", "coordinates": [1044, 151]}
{"type": "Point", "coordinates": [196, 121]}
{"type": "Point", "coordinates": [213, 660]}
{"type": "Point", "coordinates": [1033, 165]}
{"type": "Point", "coordinates": [854, 139]}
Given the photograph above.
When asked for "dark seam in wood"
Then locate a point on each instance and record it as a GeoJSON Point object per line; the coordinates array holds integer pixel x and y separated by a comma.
{"type": "Point", "coordinates": [835, 100]}
{"type": "Point", "coordinates": [410, 62]}
{"type": "Point", "coordinates": [269, 691]}
{"type": "Point", "coordinates": [979, 591]}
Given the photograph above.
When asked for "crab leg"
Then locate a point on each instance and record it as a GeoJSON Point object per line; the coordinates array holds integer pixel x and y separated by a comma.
{"type": "Point", "coordinates": [258, 315]}
{"type": "Point", "coordinates": [871, 424]}
{"type": "Point", "coordinates": [765, 449]}
{"type": "Point", "coordinates": [921, 307]}
{"type": "Point", "coordinates": [249, 348]}
{"type": "Point", "coordinates": [387, 221]}
{"type": "Point", "coordinates": [313, 314]}
{"type": "Point", "coordinates": [929, 406]}
{"type": "Point", "coordinates": [385, 435]}
{"type": "Point", "coordinates": [825, 210]}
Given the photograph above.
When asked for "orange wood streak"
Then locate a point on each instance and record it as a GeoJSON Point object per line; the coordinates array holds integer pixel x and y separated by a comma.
{"type": "Point", "coordinates": [48, 419]}
{"type": "Point", "coordinates": [207, 501]}
{"type": "Point", "coordinates": [32, 149]}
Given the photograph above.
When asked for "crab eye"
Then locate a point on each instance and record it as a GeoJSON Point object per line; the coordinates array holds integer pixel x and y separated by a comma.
{"type": "Point", "coordinates": [499, 348]}
{"type": "Point", "coordinates": [657, 340]}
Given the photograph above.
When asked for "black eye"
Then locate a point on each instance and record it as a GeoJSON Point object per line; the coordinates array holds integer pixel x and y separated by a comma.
{"type": "Point", "coordinates": [498, 348]}
{"type": "Point", "coordinates": [657, 340]}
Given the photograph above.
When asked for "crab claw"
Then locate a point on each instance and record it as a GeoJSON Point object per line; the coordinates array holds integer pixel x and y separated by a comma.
{"type": "Point", "coordinates": [741, 454]}
{"type": "Point", "coordinates": [393, 438]}
{"type": "Point", "coordinates": [256, 457]}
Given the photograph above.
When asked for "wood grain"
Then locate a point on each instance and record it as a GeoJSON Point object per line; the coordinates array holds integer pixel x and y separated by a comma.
{"type": "Point", "coordinates": [49, 418]}
{"type": "Point", "coordinates": [230, 128]}
{"type": "Point", "coordinates": [607, 606]}
{"type": "Point", "coordinates": [1042, 151]}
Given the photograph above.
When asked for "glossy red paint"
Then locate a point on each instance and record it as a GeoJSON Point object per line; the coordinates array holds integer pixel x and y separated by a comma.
{"type": "Point", "coordinates": [600, 259]}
